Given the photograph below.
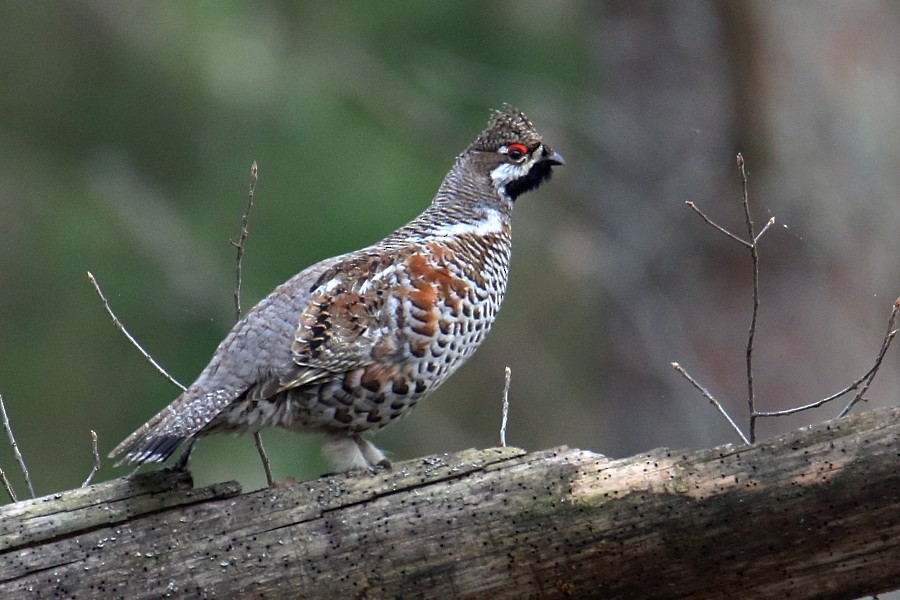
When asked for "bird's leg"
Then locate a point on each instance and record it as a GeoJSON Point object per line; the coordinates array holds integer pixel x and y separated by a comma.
{"type": "Point", "coordinates": [371, 453]}
{"type": "Point", "coordinates": [353, 452]}
{"type": "Point", "coordinates": [182, 463]}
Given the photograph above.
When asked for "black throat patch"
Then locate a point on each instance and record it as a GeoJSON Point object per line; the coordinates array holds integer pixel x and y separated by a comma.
{"type": "Point", "coordinates": [538, 174]}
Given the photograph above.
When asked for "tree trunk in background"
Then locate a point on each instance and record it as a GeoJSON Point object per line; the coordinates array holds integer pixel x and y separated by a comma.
{"type": "Point", "coordinates": [810, 515]}
{"type": "Point", "coordinates": [807, 92]}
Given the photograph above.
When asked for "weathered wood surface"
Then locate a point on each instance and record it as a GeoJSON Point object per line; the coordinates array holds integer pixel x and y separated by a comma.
{"type": "Point", "coordinates": [815, 514]}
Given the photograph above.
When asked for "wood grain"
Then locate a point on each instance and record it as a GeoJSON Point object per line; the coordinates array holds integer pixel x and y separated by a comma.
{"type": "Point", "coordinates": [814, 514]}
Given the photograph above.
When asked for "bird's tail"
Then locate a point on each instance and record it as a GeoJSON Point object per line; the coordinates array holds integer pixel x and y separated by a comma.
{"type": "Point", "coordinates": [146, 448]}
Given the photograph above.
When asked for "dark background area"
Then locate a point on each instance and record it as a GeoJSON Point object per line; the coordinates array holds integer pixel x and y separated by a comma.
{"type": "Point", "coordinates": [127, 131]}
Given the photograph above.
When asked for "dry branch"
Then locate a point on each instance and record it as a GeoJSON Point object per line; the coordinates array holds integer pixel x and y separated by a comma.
{"type": "Point", "coordinates": [504, 411]}
{"type": "Point", "coordinates": [812, 514]}
{"type": "Point", "coordinates": [861, 385]}
{"type": "Point", "coordinates": [96, 466]}
{"type": "Point", "coordinates": [19, 458]}
{"type": "Point", "coordinates": [241, 246]}
{"type": "Point", "coordinates": [121, 327]}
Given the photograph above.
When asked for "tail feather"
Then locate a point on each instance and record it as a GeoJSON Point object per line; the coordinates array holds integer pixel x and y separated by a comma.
{"type": "Point", "coordinates": [150, 449]}
{"type": "Point", "coordinates": [157, 439]}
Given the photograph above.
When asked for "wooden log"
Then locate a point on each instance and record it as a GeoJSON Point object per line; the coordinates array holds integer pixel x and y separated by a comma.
{"type": "Point", "coordinates": [813, 514]}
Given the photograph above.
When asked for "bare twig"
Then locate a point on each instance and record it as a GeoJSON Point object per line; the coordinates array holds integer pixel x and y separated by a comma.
{"type": "Point", "coordinates": [159, 369]}
{"type": "Point", "coordinates": [242, 239]}
{"type": "Point", "coordinates": [96, 466]}
{"type": "Point", "coordinates": [15, 447]}
{"type": "Point", "coordinates": [716, 226]}
{"type": "Point", "coordinates": [885, 344]}
{"type": "Point", "coordinates": [861, 385]}
{"type": "Point", "coordinates": [257, 439]}
{"type": "Point", "coordinates": [128, 335]}
{"type": "Point", "coordinates": [8, 486]}
{"type": "Point", "coordinates": [712, 400]}
{"type": "Point", "coordinates": [240, 245]}
{"type": "Point", "coordinates": [769, 223]}
{"type": "Point", "coordinates": [754, 256]}
{"type": "Point", "coordinates": [507, 375]}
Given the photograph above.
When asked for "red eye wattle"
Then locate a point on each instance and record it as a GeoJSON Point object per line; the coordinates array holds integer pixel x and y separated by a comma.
{"type": "Point", "coordinates": [516, 151]}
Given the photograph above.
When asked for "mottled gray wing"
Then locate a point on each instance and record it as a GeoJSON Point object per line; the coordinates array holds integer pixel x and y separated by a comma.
{"type": "Point", "coordinates": [347, 323]}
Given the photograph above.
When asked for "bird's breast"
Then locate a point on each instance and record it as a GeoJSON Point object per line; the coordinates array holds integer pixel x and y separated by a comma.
{"type": "Point", "coordinates": [436, 303]}
{"type": "Point", "coordinates": [447, 296]}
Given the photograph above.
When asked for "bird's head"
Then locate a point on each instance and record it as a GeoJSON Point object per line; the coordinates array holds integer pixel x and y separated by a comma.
{"type": "Point", "coordinates": [513, 154]}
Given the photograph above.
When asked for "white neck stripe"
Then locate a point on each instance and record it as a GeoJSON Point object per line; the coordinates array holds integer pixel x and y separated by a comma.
{"type": "Point", "coordinates": [491, 222]}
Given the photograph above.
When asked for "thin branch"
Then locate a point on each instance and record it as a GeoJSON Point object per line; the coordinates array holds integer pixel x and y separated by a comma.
{"type": "Point", "coordinates": [242, 239]}
{"type": "Point", "coordinates": [860, 395]}
{"type": "Point", "coordinates": [885, 344]}
{"type": "Point", "coordinates": [507, 375]}
{"type": "Point", "coordinates": [712, 400]}
{"type": "Point", "coordinates": [15, 447]}
{"type": "Point", "coordinates": [96, 466]}
{"type": "Point", "coordinates": [128, 335]}
{"type": "Point", "coordinates": [257, 439]}
{"type": "Point", "coordinates": [817, 403]}
{"type": "Point", "coordinates": [861, 385]}
{"type": "Point", "coordinates": [240, 245]}
{"type": "Point", "coordinates": [865, 381]}
{"type": "Point", "coordinates": [769, 223]}
{"type": "Point", "coordinates": [754, 256]}
{"type": "Point", "coordinates": [8, 486]}
{"type": "Point", "coordinates": [716, 226]}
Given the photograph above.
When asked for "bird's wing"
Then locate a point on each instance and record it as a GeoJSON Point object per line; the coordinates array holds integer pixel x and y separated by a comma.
{"type": "Point", "coordinates": [348, 322]}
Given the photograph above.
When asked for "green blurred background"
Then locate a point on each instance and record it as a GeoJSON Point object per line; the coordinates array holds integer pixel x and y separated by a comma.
{"type": "Point", "coordinates": [127, 130]}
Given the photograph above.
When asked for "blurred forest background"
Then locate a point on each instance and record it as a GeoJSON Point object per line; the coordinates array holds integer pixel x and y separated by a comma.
{"type": "Point", "coordinates": [127, 130]}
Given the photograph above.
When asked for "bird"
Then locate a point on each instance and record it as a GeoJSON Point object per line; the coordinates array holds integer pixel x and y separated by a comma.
{"type": "Point", "coordinates": [354, 342]}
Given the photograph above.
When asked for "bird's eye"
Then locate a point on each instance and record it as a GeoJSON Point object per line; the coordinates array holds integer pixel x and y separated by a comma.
{"type": "Point", "coordinates": [516, 152]}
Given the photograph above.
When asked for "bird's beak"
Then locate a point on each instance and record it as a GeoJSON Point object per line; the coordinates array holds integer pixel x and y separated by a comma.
{"type": "Point", "coordinates": [554, 158]}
